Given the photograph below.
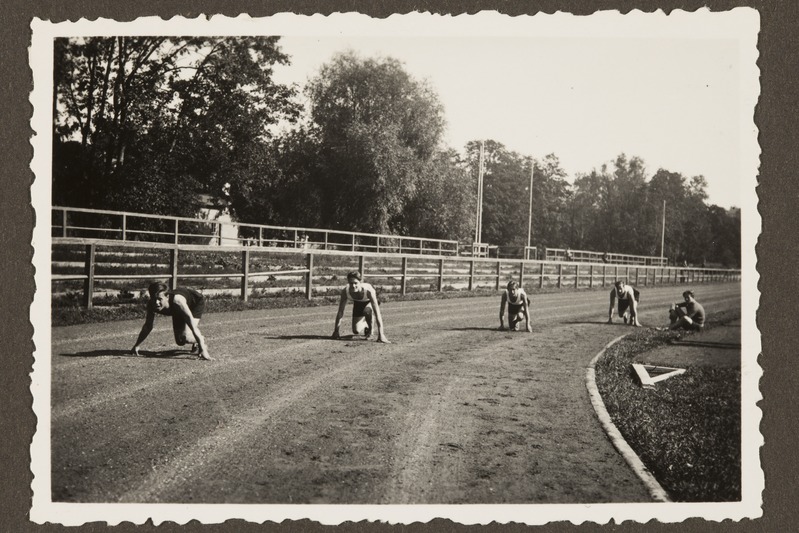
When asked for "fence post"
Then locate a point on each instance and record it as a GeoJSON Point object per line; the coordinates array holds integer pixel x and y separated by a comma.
{"type": "Point", "coordinates": [616, 273]}
{"type": "Point", "coordinates": [124, 227]}
{"type": "Point", "coordinates": [64, 223]}
{"type": "Point", "coordinates": [88, 283]}
{"type": "Point", "coordinates": [541, 276]}
{"type": "Point", "coordinates": [326, 238]}
{"type": "Point", "coordinates": [499, 274]}
{"type": "Point", "coordinates": [440, 275]}
{"type": "Point", "coordinates": [176, 231]}
{"type": "Point", "coordinates": [378, 244]}
{"type": "Point", "coordinates": [362, 265]}
{"type": "Point", "coordinates": [560, 274]}
{"type": "Point", "coordinates": [471, 275]}
{"type": "Point", "coordinates": [521, 274]}
{"type": "Point", "coordinates": [404, 275]}
{"type": "Point", "coordinates": [245, 273]}
{"type": "Point", "coordinates": [173, 267]}
{"type": "Point", "coordinates": [309, 276]}
{"type": "Point", "coordinates": [260, 237]}
{"type": "Point", "coordinates": [577, 276]}
{"type": "Point", "coordinates": [591, 275]}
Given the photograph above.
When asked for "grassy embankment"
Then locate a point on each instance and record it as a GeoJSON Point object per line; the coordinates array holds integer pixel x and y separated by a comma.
{"type": "Point", "coordinates": [687, 430]}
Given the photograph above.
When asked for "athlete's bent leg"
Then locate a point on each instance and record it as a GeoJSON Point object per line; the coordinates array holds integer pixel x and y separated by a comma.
{"type": "Point", "coordinates": [514, 320]}
{"type": "Point", "coordinates": [182, 331]}
{"type": "Point", "coordinates": [359, 325]}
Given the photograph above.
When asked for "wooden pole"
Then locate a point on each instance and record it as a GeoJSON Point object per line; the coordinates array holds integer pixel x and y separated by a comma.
{"type": "Point", "coordinates": [404, 275]}
{"type": "Point", "coordinates": [88, 283]}
{"type": "Point", "coordinates": [309, 276]}
{"type": "Point", "coordinates": [245, 274]}
{"type": "Point", "coordinates": [541, 276]}
{"type": "Point", "coordinates": [471, 275]}
{"type": "Point", "coordinates": [173, 267]}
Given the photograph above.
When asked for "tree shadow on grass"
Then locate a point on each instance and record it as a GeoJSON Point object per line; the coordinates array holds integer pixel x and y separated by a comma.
{"type": "Point", "coordinates": [303, 337]}
{"type": "Point", "coordinates": [595, 322]}
{"type": "Point", "coordinates": [166, 354]}
{"type": "Point", "coordinates": [496, 329]}
{"type": "Point", "coordinates": [707, 344]}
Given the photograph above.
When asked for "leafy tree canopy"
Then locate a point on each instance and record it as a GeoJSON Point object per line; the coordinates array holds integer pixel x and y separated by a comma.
{"type": "Point", "coordinates": [158, 119]}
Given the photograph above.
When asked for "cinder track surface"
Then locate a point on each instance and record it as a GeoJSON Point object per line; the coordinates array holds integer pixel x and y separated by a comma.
{"type": "Point", "coordinates": [453, 411]}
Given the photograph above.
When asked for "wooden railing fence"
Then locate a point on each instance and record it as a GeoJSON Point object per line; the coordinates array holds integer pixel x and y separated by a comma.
{"type": "Point", "coordinates": [70, 222]}
{"type": "Point", "coordinates": [496, 272]}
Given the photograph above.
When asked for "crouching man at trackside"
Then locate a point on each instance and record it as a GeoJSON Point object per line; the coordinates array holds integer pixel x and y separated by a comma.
{"type": "Point", "coordinates": [628, 297]}
{"type": "Point", "coordinates": [185, 306]}
{"type": "Point", "coordinates": [518, 307]}
{"type": "Point", "coordinates": [365, 309]}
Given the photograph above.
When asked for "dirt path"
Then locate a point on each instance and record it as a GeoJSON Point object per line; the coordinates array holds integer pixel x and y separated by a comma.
{"type": "Point", "coordinates": [453, 411]}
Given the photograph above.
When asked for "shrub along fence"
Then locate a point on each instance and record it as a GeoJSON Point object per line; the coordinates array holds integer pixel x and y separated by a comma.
{"type": "Point", "coordinates": [88, 267]}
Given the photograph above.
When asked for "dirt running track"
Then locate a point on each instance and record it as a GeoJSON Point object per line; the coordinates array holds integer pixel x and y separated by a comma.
{"type": "Point", "coordinates": [453, 411]}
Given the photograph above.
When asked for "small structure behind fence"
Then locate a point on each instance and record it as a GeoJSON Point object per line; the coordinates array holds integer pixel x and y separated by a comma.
{"type": "Point", "coordinates": [139, 227]}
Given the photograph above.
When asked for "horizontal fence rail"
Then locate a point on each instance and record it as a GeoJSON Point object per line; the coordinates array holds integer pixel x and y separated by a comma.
{"type": "Point", "coordinates": [127, 226]}
{"type": "Point", "coordinates": [565, 254]}
{"type": "Point", "coordinates": [103, 264]}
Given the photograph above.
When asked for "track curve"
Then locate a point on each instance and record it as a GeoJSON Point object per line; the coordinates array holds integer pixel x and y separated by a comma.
{"type": "Point", "coordinates": [453, 411]}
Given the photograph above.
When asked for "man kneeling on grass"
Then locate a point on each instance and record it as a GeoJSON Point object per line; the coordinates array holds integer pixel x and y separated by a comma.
{"type": "Point", "coordinates": [518, 307]}
{"type": "Point", "coordinates": [185, 306]}
{"type": "Point", "coordinates": [688, 315]}
{"type": "Point", "coordinates": [365, 308]}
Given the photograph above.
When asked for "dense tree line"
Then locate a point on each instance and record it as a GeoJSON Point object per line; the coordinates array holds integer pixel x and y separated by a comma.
{"type": "Point", "coordinates": [149, 123]}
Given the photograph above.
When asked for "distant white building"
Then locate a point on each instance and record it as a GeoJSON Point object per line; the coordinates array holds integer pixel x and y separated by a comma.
{"type": "Point", "coordinates": [217, 209]}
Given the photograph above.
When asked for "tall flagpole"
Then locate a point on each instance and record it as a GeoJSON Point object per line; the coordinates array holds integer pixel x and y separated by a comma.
{"type": "Point", "coordinates": [663, 232]}
{"type": "Point", "coordinates": [478, 234]}
{"type": "Point", "coordinates": [530, 215]}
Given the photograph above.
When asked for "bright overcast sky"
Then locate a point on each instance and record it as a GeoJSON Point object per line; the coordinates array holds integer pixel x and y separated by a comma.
{"type": "Point", "coordinates": [673, 98]}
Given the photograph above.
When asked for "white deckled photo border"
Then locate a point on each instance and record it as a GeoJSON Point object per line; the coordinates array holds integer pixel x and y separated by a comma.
{"type": "Point", "coordinates": [739, 24]}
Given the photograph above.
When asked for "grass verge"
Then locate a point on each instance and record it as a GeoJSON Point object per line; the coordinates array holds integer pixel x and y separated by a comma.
{"type": "Point", "coordinates": [687, 430]}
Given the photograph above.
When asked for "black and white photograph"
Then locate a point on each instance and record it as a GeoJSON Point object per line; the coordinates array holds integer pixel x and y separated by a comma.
{"type": "Point", "coordinates": [338, 267]}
